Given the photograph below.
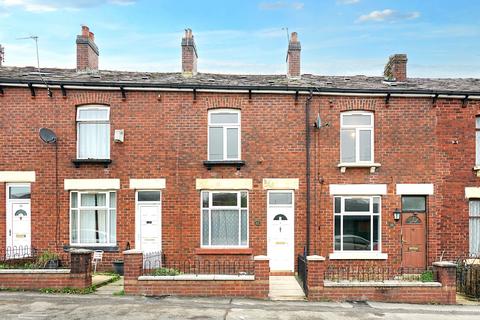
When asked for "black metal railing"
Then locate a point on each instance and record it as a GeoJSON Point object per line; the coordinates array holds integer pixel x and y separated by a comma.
{"type": "Point", "coordinates": [368, 273]}
{"type": "Point", "coordinates": [197, 267]}
{"type": "Point", "coordinates": [468, 276]}
{"type": "Point", "coordinates": [303, 271]}
{"type": "Point", "coordinates": [27, 257]}
{"type": "Point", "coordinates": [14, 253]}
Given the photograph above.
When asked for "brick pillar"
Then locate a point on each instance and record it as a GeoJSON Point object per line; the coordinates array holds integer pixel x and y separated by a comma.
{"type": "Point", "coordinates": [262, 276]}
{"type": "Point", "coordinates": [81, 267]}
{"type": "Point", "coordinates": [447, 275]}
{"type": "Point", "coordinates": [315, 275]}
{"type": "Point", "coordinates": [133, 268]}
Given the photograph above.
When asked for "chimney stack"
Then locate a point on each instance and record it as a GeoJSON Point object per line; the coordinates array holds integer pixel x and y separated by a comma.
{"type": "Point", "coordinates": [189, 54]}
{"type": "Point", "coordinates": [2, 55]}
{"type": "Point", "coordinates": [87, 51]}
{"type": "Point", "coordinates": [396, 68]}
{"type": "Point", "coordinates": [293, 56]}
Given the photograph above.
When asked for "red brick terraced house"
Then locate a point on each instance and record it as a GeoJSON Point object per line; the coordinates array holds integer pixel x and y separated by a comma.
{"type": "Point", "coordinates": [356, 169]}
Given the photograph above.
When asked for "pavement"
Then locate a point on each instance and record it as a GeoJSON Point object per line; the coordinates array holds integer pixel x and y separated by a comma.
{"type": "Point", "coordinates": [285, 288]}
{"type": "Point", "coordinates": [110, 288]}
{"type": "Point", "coordinates": [27, 305]}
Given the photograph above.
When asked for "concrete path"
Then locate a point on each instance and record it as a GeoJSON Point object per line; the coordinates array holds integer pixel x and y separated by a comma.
{"type": "Point", "coordinates": [98, 279]}
{"type": "Point", "coordinates": [285, 288]}
{"type": "Point", "coordinates": [23, 305]}
{"type": "Point", "coordinates": [111, 288]}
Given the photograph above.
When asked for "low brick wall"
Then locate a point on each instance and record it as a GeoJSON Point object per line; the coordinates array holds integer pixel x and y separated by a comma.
{"type": "Point", "coordinates": [79, 276]}
{"type": "Point", "coordinates": [256, 286]}
{"type": "Point", "coordinates": [443, 291]}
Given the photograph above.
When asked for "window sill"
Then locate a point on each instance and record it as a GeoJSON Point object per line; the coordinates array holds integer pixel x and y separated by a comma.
{"type": "Point", "coordinates": [344, 165]}
{"type": "Point", "coordinates": [224, 251]}
{"type": "Point", "coordinates": [234, 163]}
{"type": "Point", "coordinates": [78, 162]}
{"type": "Point", "coordinates": [358, 255]}
{"type": "Point", "coordinates": [105, 248]}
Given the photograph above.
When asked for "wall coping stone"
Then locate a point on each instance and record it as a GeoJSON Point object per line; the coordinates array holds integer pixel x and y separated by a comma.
{"type": "Point", "coordinates": [445, 264]}
{"type": "Point", "coordinates": [36, 271]}
{"type": "Point", "coordinates": [200, 277]}
{"type": "Point", "coordinates": [386, 283]}
{"type": "Point", "coordinates": [132, 251]}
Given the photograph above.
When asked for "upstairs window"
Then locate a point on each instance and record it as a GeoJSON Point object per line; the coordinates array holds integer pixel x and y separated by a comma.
{"type": "Point", "coordinates": [93, 132]}
{"type": "Point", "coordinates": [223, 135]}
{"type": "Point", "coordinates": [477, 138]}
{"type": "Point", "coordinates": [356, 137]}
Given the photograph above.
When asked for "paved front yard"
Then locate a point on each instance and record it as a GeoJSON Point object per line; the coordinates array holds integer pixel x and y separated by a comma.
{"type": "Point", "coordinates": [18, 305]}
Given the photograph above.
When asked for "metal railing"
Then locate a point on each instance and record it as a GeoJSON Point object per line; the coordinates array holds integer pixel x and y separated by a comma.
{"type": "Point", "coordinates": [198, 267]}
{"type": "Point", "coordinates": [10, 254]}
{"type": "Point", "coordinates": [468, 276]}
{"type": "Point", "coordinates": [373, 273]}
{"type": "Point", "coordinates": [303, 271]}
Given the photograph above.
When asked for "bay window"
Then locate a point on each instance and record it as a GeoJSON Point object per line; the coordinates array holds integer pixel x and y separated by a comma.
{"type": "Point", "coordinates": [93, 132]}
{"type": "Point", "coordinates": [224, 135]}
{"type": "Point", "coordinates": [93, 218]}
{"type": "Point", "coordinates": [357, 223]}
{"type": "Point", "coordinates": [356, 137]}
{"type": "Point", "coordinates": [224, 219]}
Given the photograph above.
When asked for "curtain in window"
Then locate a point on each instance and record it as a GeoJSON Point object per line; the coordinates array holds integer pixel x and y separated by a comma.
{"type": "Point", "coordinates": [474, 227]}
{"type": "Point", "coordinates": [224, 227]}
{"type": "Point", "coordinates": [93, 140]}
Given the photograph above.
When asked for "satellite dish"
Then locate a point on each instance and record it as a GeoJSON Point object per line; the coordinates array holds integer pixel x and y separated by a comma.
{"type": "Point", "coordinates": [47, 135]}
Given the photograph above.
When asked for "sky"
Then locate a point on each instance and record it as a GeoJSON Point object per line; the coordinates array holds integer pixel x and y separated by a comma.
{"type": "Point", "coordinates": [338, 37]}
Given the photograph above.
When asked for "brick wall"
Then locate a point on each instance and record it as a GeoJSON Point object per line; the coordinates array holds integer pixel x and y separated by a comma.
{"type": "Point", "coordinates": [166, 137]}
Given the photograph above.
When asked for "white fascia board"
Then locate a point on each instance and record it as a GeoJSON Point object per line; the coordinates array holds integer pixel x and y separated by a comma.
{"type": "Point", "coordinates": [92, 184]}
{"type": "Point", "coordinates": [17, 176]}
{"type": "Point", "coordinates": [147, 184]}
{"type": "Point", "coordinates": [415, 188]}
{"type": "Point", "coordinates": [280, 184]}
{"type": "Point", "coordinates": [224, 184]}
{"type": "Point", "coordinates": [358, 189]}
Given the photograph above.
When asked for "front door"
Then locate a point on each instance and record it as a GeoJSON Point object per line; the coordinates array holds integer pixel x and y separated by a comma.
{"type": "Point", "coordinates": [413, 240]}
{"type": "Point", "coordinates": [149, 221]}
{"type": "Point", "coordinates": [280, 231]}
{"type": "Point", "coordinates": [19, 238]}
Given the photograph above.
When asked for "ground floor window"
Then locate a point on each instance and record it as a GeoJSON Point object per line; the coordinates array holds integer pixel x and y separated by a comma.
{"type": "Point", "coordinates": [474, 227]}
{"type": "Point", "coordinates": [224, 218]}
{"type": "Point", "coordinates": [357, 223]}
{"type": "Point", "coordinates": [93, 218]}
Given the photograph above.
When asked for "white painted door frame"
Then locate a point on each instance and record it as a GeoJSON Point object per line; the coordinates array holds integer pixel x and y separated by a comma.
{"type": "Point", "coordinates": [10, 229]}
{"type": "Point", "coordinates": [289, 211]}
{"type": "Point", "coordinates": [138, 218]}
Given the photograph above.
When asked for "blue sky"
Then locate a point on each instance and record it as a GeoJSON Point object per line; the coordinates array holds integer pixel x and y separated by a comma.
{"type": "Point", "coordinates": [339, 37]}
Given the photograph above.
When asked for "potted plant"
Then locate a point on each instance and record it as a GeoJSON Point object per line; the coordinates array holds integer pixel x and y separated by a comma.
{"type": "Point", "coordinates": [48, 260]}
{"type": "Point", "coordinates": [118, 267]}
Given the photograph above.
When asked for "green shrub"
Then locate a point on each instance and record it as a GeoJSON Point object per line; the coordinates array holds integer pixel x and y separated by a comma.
{"type": "Point", "coordinates": [426, 276]}
{"type": "Point", "coordinates": [165, 272]}
{"type": "Point", "coordinates": [45, 257]}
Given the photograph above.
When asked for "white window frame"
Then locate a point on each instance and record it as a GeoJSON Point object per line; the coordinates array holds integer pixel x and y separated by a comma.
{"type": "Point", "coordinates": [238, 207]}
{"type": "Point", "coordinates": [100, 121]}
{"type": "Point", "coordinates": [359, 213]}
{"type": "Point", "coordinates": [477, 151]}
{"type": "Point", "coordinates": [225, 126]}
{"type": "Point", "coordinates": [470, 219]}
{"type": "Point", "coordinates": [358, 128]}
{"type": "Point", "coordinates": [107, 207]}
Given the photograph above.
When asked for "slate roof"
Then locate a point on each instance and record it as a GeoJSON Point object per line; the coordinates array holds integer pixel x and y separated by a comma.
{"type": "Point", "coordinates": [237, 81]}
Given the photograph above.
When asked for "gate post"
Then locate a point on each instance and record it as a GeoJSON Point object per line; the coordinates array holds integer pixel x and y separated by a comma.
{"type": "Point", "coordinates": [315, 276]}
{"type": "Point", "coordinates": [262, 275]}
{"type": "Point", "coordinates": [133, 264]}
{"type": "Point", "coordinates": [447, 275]}
{"type": "Point", "coordinates": [81, 267]}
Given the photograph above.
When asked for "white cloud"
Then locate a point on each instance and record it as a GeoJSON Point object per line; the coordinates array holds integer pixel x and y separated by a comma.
{"type": "Point", "coordinates": [281, 5]}
{"type": "Point", "coordinates": [348, 1]}
{"type": "Point", "coordinates": [42, 6]}
{"type": "Point", "coordinates": [388, 15]}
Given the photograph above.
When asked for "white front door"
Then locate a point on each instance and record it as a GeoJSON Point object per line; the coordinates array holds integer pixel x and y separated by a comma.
{"type": "Point", "coordinates": [280, 230]}
{"type": "Point", "coordinates": [19, 237]}
{"type": "Point", "coordinates": [149, 221]}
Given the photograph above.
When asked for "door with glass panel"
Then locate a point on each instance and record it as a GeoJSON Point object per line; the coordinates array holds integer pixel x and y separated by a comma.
{"type": "Point", "coordinates": [18, 220]}
{"type": "Point", "coordinates": [280, 230]}
{"type": "Point", "coordinates": [149, 221]}
{"type": "Point", "coordinates": [413, 232]}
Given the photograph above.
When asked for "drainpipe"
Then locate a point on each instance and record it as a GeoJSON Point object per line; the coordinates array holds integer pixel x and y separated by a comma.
{"type": "Point", "coordinates": [307, 174]}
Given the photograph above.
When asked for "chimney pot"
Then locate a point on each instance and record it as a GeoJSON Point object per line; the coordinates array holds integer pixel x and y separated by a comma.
{"type": "Point", "coordinates": [189, 54]}
{"type": "Point", "coordinates": [396, 68]}
{"type": "Point", "coordinates": [87, 51]}
{"type": "Point", "coordinates": [293, 56]}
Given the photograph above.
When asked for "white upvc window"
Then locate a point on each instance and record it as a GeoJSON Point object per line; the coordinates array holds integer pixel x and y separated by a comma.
{"type": "Point", "coordinates": [93, 132]}
{"type": "Point", "coordinates": [474, 227]}
{"type": "Point", "coordinates": [224, 219]}
{"type": "Point", "coordinates": [477, 141]}
{"type": "Point", "coordinates": [93, 217]}
{"type": "Point", "coordinates": [224, 131]}
{"type": "Point", "coordinates": [356, 137]}
{"type": "Point", "coordinates": [357, 223]}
